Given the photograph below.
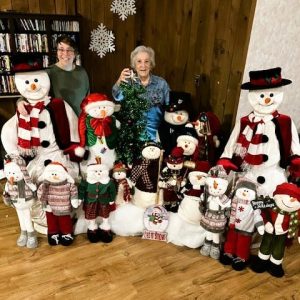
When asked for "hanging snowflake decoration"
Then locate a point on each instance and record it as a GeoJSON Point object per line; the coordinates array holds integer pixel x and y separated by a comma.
{"type": "Point", "coordinates": [102, 41]}
{"type": "Point", "coordinates": [123, 8]}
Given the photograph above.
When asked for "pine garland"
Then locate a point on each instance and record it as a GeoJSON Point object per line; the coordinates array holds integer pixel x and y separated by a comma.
{"type": "Point", "coordinates": [132, 134]}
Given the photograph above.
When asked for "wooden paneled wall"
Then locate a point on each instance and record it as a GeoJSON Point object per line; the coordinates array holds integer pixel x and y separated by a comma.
{"type": "Point", "coordinates": [203, 39]}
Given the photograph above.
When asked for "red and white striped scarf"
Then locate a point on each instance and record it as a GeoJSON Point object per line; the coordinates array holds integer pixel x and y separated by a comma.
{"type": "Point", "coordinates": [249, 143]}
{"type": "Point", "coordinates": [28, 132]}
{"type": "Point", "coordinates": [126, 189]}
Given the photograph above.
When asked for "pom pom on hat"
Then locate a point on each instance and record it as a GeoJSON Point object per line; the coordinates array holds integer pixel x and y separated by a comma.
{"type": "Point", "coordinates": [218, 171]}
{"type": "Point", "coordinates": [288, 189]}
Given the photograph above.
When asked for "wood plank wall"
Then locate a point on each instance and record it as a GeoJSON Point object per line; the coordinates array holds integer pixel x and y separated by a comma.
{"type": "Point", "coordinates": [204, 38]}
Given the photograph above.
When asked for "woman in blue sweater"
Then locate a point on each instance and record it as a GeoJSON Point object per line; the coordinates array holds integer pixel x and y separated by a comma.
{"type": "Point", "coordinates": [142, 60]}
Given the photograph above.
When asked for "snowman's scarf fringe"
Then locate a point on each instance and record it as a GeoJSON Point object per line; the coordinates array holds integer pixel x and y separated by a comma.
{"type": "Point", "coordinates": [240, 151]}
{"type": "Point", "coordinates": [28, 152]}
{"type": "Point", "coordinates": [246, 166]}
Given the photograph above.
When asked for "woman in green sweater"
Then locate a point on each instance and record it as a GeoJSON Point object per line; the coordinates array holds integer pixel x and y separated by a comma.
{"type": "Point", "coordinates": [69, 81]}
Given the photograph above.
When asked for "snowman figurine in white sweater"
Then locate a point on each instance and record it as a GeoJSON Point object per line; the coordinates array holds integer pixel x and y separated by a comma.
{"type": "Point", "coordinates": [19, 192]}
{"type": "Point", "coordinates": [244, 220]}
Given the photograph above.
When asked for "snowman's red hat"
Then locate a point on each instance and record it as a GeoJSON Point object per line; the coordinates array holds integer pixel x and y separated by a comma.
{"type": "Point", "coordinates": [288, 189]}
{"type": "Point", "coordinates": [265, 79]}
{"type": "Point", "coordinates": [93, 100]}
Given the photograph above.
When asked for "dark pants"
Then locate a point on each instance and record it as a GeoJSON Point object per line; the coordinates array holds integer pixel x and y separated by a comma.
{"type": "Point", "coordinates": [59, 224]}
{"type": "Point", "coordinates": [273, 245]}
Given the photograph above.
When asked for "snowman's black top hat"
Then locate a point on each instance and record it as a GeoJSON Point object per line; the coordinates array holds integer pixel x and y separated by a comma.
{"type": "Point", "coordinates": [265, 79]}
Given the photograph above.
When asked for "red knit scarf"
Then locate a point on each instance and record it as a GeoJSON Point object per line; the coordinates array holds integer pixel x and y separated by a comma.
{"type": "Point", "coordinates": [102, 127]}
{"type": "Point", "coordinates": [126, 189]}
{"type": "Point", "coordinates": [250, 141]}
{"type": "Point", "coordinates": [28, 132]}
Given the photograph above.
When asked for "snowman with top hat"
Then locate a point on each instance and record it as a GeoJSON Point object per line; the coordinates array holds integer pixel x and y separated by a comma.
{"type": "Point", "coordinates": [264, 142]}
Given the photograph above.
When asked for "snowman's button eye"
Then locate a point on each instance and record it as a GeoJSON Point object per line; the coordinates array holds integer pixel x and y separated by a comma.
{"type": "Point", "coordinates": [36, 80]}
{"type": "Point", "coordinates": [262, 95]}
{"type": "Point", "coordinates": [271, 95]}
{"type": "Point", "coordinates": [27, 81]}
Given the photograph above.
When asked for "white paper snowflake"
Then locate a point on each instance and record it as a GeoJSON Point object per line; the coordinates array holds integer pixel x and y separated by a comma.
{"type": "Point", "coordinates": [123, 8]}
{"type": "Point", "coordinates": [102, 40]}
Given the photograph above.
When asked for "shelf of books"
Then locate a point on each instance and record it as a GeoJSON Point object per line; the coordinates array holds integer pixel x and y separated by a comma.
{"type": "Point", "coordinates": [31, 37]}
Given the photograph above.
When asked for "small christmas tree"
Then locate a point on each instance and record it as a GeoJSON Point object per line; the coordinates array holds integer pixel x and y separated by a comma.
{"type": "Point", "coordinates": [132, 134]}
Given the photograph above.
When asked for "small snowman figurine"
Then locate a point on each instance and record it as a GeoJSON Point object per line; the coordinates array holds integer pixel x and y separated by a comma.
{"type": "Point", "coordinates": [98, 129]}
{"type": "Point", "coordinates": [244, 219]}
{"type": "Point", "coordinates": [184, 226]}
{"type": "Point", "coordinates": [119, 174]}
{"type": "Point", "coordinates": [144, 176]}
{"type": "Point", "coordinates": [98, 192]}
{"type": "Point", "coordinates": [171, 180]}
{"type": "Point", "coordinates": [208, 128]}
{"type": "Point", "coordinates": [19, 193]}
{"type": "Point", "coordinates": [214, 210]}
{"type": "Point", "coordinates": [58, 193]}
{"type": "Point", "coordinates": [283, 222]}
{"type": "Point", "coordinates": [264, 142]}
{"type": "Point", "coordinates": [175, 117]}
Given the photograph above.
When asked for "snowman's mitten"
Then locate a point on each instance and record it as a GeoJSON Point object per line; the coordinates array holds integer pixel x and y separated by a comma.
{"type": "Point", "coordinates": [76, 202]}
{"type": "Point", "coordinates": [6, 199]}
{"type": "Point", "coordinates": [227, 164]}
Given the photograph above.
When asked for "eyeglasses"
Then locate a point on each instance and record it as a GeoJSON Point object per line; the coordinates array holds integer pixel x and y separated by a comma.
{"type": "Point", "coordinates": [68, 51]}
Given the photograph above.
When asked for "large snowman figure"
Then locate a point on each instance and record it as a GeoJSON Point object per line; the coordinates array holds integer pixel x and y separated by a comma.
{"type": "Point", "coordinates": [265, 141]}
{"type": "Point", "coordinates": [49, 128]}
{"type": "Point", "coordinates": [46, 134]}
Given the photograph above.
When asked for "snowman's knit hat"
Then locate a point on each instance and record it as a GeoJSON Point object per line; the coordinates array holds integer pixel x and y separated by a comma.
{"type": "Point", "coordinates": [245, 183]}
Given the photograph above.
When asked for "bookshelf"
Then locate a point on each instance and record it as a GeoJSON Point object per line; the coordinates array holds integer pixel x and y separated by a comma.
{"type": "Point", "coordinates": [31, 38]}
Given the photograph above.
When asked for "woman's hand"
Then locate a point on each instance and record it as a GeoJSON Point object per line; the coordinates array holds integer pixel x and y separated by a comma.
{"type": "Point", "coordinates": [21, 108]}
{"type": "Point", "coordinates": [125, 74]}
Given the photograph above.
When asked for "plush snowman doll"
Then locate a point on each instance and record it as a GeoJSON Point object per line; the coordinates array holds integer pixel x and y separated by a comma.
{"type": "Point", "coordinates": [98, 129]}
{"type": "Point", "coordinates": [175, 117]}
{"type": "Point", "coordinates": [214, 209]}
{"type": "Point", "coordinates": [123, 184]}
{"type": "Point", "coordinates": [242, 224]}
{"type": "Point", "coordinates": [184, 227]}
{"type": "Point", "coordinates": [46, 134]}
{"type": "Point", "coordinates": [58, 193]}
{"type": "Point", "coordinates": [282, 223]}
{"type": "Point", "coordinates": [144, 176]}
{"type": "Point", "coordinates": [171, 180]}
{"type": "Point", "coordinates": [263, 143]}
{"type": "Point", "coordinates": [19, 193]}
{"type": "Point", "coordinates": [98, 192]}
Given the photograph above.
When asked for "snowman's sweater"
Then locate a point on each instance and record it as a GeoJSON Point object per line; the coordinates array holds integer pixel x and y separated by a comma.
{"type": "Point", "coordinates": [58, 196]}
{"type": "Point", "coordinates": [17, 190]}
{"type": "Point", "coordinates": [244, 217]}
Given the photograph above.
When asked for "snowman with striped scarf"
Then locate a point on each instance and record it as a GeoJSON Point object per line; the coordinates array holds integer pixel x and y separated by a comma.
{"type": "Point", "coordinates": [265, 142]}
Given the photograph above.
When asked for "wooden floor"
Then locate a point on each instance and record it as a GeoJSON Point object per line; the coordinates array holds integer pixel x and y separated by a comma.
{"type": "Point", "coordinates": [129, 268]}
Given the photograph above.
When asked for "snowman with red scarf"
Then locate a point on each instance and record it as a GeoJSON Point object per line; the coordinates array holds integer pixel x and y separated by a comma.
{"type": "Point", "coordinates": [47, 133]}
{"type": "Point", "coordinates": [265, 141]}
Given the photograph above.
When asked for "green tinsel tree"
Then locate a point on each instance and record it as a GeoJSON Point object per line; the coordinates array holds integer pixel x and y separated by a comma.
{"type": "Point", "coordinates": [132, 134]}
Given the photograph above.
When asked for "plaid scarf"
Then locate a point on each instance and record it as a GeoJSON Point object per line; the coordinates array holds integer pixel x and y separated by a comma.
{"type": "Point", "coordinates": [250, 141]}
{"type": "Point", "coordinates": [126, 189]}
{"type": "Point", "coordinates": [28, 132]}
{"type": "Point", "coordinates": [141, 171]}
